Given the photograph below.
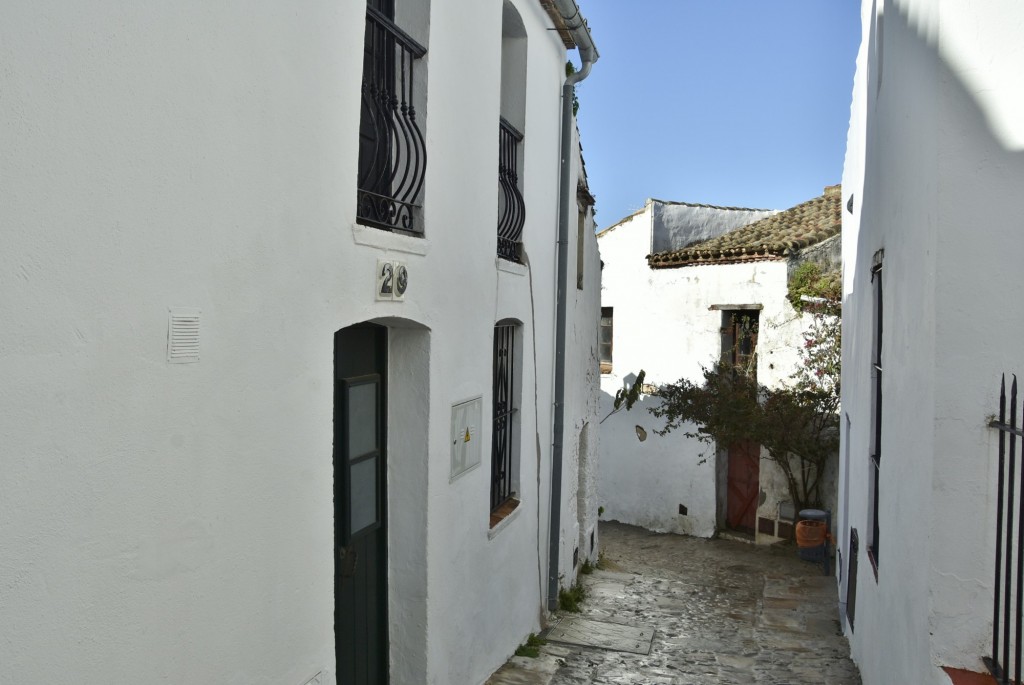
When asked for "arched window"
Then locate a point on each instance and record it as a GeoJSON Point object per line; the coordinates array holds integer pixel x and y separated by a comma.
{"type": "Point", "coordinates": [505, 411]}
{"type": "Point", "coordinates": [392, 147]}
{"type": "Point", "coordinates": [511, 206]}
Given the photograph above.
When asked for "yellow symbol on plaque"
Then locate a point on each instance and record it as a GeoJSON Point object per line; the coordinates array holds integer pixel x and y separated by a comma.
{"type": "Point", "coordinates": [466, 439]}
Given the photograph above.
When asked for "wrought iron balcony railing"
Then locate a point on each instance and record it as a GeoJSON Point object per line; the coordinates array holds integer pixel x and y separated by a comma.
{"type": "Point", "coordinates": [392, 151]}
{"type": "Point", "coordinates": [512, 208]}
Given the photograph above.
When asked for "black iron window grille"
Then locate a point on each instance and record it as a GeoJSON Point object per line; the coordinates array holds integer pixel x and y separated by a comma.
{"type": "Point", "coordinates": [392, 151]}
{"type": "Point", "coordinates": [504, 413]}
{"type": "Point", "coordinates": [1008, 602]}
{"type": "Point", "coordinates": [512, 207]}
{"type": "Point", "coordinates": [876, 440]}
{"type": "Point", "coordinates": [851, 574]}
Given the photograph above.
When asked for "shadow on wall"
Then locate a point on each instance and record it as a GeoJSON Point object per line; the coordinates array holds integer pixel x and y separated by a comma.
{"type": "Point", "coordinates": [662, 483]}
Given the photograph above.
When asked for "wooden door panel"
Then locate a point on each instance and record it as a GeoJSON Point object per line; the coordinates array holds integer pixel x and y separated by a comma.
{"type": "Point", "coordinates": [743, 486]}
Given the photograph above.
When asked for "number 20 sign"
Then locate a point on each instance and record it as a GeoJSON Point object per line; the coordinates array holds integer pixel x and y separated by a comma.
{"type": "Point", "coordinates": [392, 280]}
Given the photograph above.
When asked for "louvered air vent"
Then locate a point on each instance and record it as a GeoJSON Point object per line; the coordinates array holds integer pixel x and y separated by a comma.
{"type": "Point", "coordinates": [182, 335]}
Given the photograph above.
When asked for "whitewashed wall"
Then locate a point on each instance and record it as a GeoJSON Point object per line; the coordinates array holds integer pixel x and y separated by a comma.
{"type": "Point", "coordinates": [662, 324]}
{"type": "Point", "coordinates": [935, 146]}
{"type": "Point", "coordinates": [581, 438]}
{"type": "Point", "coordinates": [175, 522]}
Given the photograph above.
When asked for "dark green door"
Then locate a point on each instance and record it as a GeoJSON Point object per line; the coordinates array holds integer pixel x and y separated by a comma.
{"type": "Point", "coordinates": [360, 505]}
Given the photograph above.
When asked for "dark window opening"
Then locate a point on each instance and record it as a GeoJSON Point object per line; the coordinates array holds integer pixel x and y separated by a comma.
{"type": "Point", "coordinates": [581, 227]}
{"type": "Point", "coordinates": [739, 339]}
{"type": "Point", "coordinates": [851, 586]}
{"type": "Point", "coordinates": [876, 418]}
{"type": "Point", "coordinates": [604, 344]}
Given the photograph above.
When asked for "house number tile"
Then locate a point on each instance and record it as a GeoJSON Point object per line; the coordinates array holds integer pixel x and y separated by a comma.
{"type": "Point", "coordinates": [392, 280]}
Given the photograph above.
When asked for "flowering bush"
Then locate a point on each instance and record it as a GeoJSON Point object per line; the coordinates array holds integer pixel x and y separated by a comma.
{"type": "Point", "coordinates": [798, 425]}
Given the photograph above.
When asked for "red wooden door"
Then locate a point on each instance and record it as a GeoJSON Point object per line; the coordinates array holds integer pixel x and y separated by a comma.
{"type": "Point", "coordinates": [743, 486]}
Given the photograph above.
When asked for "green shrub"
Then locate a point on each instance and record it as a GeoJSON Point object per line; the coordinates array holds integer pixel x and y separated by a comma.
{"type": "Point", "coordinates": [570, 599]}
{"type": "Point", "coordinates": [531, 648]}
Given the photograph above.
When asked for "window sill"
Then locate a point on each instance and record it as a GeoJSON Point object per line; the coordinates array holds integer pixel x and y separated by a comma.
{"type": "Point", "coordinates": [503, 516]}
{"type": "Point", "coordinates": [386, 240]}
{"type": "Point", "coordinates": [874, 563]}
{"type": "Point", "coordinates": [511, 267]}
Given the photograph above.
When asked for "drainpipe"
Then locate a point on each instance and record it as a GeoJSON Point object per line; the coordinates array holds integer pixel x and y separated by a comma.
{"type": "Point", "coordinates": [577, 26]}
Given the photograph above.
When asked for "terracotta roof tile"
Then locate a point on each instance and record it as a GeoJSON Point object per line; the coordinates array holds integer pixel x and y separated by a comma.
{"type": "Point", "coordinates": [560, 26]}
{"type": "Point", "coordinates": [775, 237]}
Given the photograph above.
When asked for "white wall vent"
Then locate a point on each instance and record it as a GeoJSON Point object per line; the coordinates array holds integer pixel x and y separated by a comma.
{"type": "Point", "coordinates": [182, 335]}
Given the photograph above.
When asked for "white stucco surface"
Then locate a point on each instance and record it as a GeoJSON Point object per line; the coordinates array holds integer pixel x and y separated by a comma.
{"type": "Point", "coordinates": [174, 522]}
{"type": "Point", "coordinates": [581, 437]}
{"type": "Point", "coordinates": [664, 324]}
{"type": "Point", "coordinates": [675, 225]}
{"type": "Point", "coordinates": [933, 162]}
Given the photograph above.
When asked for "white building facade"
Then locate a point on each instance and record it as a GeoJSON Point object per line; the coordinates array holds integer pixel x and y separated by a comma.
{"type": "Point", "coordinates": [670, 316]}
{"type": "Point", "coordinates": [933, 169]}
{"type": "Point", "coordinates": [277, 398]}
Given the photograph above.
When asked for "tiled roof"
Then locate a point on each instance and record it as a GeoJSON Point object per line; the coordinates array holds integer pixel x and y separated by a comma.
{"type": "Point", "coordinates": [655, 201]}
{"type": "Point", "coordinates": [775, 237]}
{"type": "Point", "coordinates": [700, 204]}
{"type": "Point", "coordinates": [556, 17]}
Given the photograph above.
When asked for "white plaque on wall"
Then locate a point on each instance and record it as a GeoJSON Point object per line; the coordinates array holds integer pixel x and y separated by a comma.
{"type": "Point", "coordinates": [465, 436]}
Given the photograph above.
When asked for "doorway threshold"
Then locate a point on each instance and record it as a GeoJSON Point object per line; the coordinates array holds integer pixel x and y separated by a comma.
{"type": "Point", "coordinates": [737, 536]}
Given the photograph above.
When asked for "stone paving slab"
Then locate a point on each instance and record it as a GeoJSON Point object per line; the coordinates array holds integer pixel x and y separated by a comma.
{"type": "Point", "coordinates": [722, 612]}
{"type": "Point", "coordinates": [617, 637]}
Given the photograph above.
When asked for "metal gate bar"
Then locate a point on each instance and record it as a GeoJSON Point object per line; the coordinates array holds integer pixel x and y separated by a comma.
{"type": "Point", "coordinates": [1009, 562]}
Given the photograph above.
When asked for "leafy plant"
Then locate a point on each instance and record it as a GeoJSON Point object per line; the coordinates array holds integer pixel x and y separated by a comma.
{"type": "Point", "coordinates": [570, 69]}
{"type": "Point", "coordinates": [586, 568]}
{"type": "Point", "coordinates": [798, 425]}
{"type": "Point", "coordinates": [811, 287]}
{"type": "Point", "coordinates": [627, 396]}
{"type": "Point", "coordinates": [572, 598]}
{"type": "Point", "coordinates": [531, 648]}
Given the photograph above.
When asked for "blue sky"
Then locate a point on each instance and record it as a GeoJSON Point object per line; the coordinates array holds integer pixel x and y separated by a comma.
{"type": "Point", "coordinates": [726, 102]}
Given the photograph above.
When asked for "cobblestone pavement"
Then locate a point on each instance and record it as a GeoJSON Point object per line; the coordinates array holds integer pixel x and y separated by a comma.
{"type": "Point", "coordinates": [722, 612]}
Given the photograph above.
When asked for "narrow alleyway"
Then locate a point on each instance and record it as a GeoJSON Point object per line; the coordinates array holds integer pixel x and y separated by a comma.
{"type": "Point", "coordinates": [720, 612]}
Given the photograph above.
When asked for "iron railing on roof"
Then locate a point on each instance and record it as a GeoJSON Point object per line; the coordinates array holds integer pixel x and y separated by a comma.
{"type": "Point", "coordinates": [1008, 602]}
{"type": "Point", "coordinates": [392, 150]}
{"type": "Point", "coordinates": [511, 206]}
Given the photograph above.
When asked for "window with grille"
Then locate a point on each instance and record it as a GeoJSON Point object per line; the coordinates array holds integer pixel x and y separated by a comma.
{"type": "Point", "coordinates": [392, 147]}
{"type": "Point", "coordinates": [511, 124]}
{"type": "Point", "coordinates": [504, 447]}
